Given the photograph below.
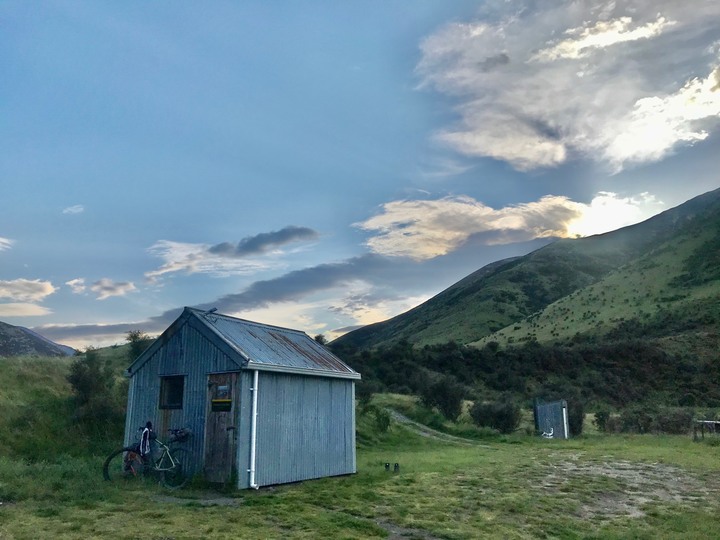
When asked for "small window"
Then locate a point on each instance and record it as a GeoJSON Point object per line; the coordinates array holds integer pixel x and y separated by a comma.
{"type": "Point", "coordinates": [171, 392]}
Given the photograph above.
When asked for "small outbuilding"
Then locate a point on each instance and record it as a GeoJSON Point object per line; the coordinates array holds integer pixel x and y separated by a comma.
{"type": "Point", "coordinates": [266, 405]}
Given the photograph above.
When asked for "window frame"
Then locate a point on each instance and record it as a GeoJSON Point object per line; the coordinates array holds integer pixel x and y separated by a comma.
{"type": "Point", "coordinates": [169, 389]}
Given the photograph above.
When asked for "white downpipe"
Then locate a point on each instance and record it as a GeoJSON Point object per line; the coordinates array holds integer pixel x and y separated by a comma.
{"type": "Point", "coordinates": [565, 421]}
{"type": "Point", "coordinates": [253, 431]}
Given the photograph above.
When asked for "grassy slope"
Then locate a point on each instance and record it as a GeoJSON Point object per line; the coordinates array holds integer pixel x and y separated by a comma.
{"type": "Point", "coordinates": [669, 291]}
{"type": "Point", "coordinates": [37, 406]}
{"type": "Point", "coordinates": [502, 294]}
{"type": "Point", "coordinates": [488, 299]}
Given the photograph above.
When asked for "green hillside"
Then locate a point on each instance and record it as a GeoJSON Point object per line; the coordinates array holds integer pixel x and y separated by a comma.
{"type": "Point", "coordinates": [666, 293]}
{"type": "Point", "coordinates": [589, 286]}
{"type": "Point", "coordinates": [41, 416]}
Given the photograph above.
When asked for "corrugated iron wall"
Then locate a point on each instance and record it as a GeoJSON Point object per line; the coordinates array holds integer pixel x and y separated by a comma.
{"type": "Point", "coordinates": [306, 424]}
{"type": "Point", "coordinates": [188, 352]}
{"type": "Point", "coordinates": [305, 428]}
{"type": "Point", "coordinates": [551, 419]}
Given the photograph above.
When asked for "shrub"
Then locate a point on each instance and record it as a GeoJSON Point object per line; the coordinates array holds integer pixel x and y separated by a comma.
{"type": "Point", "coordinates": [601, 419]}
{"type": "Point", "coordinates": [576, 416]}
{"type": "Point", "coordinates": [382, 420]}
{"type": "Point", "coordinates": [139, 341]}
{"type": "Point", "coordinates": [364, 391]}
{"type": "Point", "coordinates": [98, 409]}
{"type": "Point", "coordinates": [637, 419]}
{"type": "Point", "coordinates": [446, 394]}
{"type": "Point", "coordinates": [674, 421]}
{"type": "Point", "coordinates": [502, 415]}
{"type": "Point", "coordinates": [649, 419]}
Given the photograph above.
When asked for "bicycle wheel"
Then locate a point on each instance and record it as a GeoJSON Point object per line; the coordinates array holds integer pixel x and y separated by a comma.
{"type": "Point", "coordinates": [124, 464]}
{"type": "Point", "coordinates": [181, 473]}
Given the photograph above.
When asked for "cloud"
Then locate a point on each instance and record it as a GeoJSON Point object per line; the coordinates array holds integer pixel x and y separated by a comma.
{"type": "Point", "coordinates": [261, 243]}
{"type": "Point", "coordinates": [266, 299]}
{"type": "Point", "coordinates": [366, 305]}
{"type": "Point", "coordinates": [81, 335]}
{"type": "Point", "coordinates": [26, 290]}
{"type": "Point", "coordinates": [656, 124]}
{"type": "Point", "coordinates": [5, 243]}
{"type": "Point", "coordinates": [19, 309]}
{"type": "Point", "coordinates": [300, 283]}
{"type": "Point", "coordinates": [424, 229]}
{"type": "Point", "coordinates": [626, 82]}
{"type": "Point", "coordinates": [77, 209]}
{"type": "Point", "coordinates": [255, 298]}
{"type": "Point", "coordinates": [196, 258]}
{"type": "Point", "coordinates": [602, 34]}
{"type": "Point", "coordinates": [77, 285]}
{"type": "Point", "coordinates": [224, 259]}
{"type": "Point", "coordinates": [106, 288]}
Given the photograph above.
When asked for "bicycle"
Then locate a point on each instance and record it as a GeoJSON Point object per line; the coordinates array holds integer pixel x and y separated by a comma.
{"type": "Point", "coordinates": [171, 465]}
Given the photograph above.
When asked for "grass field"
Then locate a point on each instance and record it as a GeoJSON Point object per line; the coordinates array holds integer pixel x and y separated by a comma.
{"type": "Point", "coordinates": [512, 487]}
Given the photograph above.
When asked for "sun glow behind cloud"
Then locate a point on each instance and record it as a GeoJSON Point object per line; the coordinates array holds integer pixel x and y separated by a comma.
{"type": "Point", "coordinates": [424, 229]}
{"type": "Point", "coordinates": [607, 212]}
{"type": "Point", "coordinates": [534, 101]}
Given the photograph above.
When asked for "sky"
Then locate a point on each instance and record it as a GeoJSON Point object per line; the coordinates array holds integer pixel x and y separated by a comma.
{"type": "Point", "coordinates": [326, 165]}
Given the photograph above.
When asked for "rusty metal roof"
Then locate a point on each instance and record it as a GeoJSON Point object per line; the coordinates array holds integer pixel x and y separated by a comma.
{"type": "Point", "coordinates": [273, 348]}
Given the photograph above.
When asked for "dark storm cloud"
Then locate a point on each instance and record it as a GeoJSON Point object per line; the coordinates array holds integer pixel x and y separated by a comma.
{"type": "Point", "coordinates": [260, 243]}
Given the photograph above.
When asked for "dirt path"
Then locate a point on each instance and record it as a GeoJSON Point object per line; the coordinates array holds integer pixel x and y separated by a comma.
{"type": "Point", "coordinates": [425, 431]}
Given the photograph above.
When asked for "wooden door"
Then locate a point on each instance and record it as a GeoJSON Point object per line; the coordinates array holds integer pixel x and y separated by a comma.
{"type": "Point", "coordinates": [220, 426]}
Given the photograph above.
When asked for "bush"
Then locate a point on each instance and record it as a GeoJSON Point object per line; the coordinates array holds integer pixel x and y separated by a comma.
{"type": "Point", "coordinates": [139, 341]}
{"type": "Point", "coordinates": [674, 421]}
{"type": "Point", "coordinates": [601, 419]}
{"type": "Point", "coordinates": [649, 419]}
{"type": "Point", "coordinates": [382, 420]}
{"type": "Point", "coordinates": [98, 409]}
{"type": "Point", "coordinates": [576, 416]}
{"type": "Point", "coordinates": [503, 415]}
{"type": "Point", "coordinates": [364, 392]}
{"type": "Point", "coordinates": [446, 394]}
{"type": "Point", "coordinates": [637, 419]}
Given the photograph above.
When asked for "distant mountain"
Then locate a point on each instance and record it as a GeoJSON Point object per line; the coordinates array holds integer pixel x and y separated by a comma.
{"type": "Point", "coordinates": [19, 341]}
{"type": "Point", "coordinates": [653, 277]}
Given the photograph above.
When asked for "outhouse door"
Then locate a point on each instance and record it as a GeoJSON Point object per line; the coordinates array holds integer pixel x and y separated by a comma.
{"type": "Point", "coordinates": [220, 426]}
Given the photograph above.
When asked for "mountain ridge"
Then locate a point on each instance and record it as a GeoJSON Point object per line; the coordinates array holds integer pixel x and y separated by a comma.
{"type": "Point", "coordinates": [20, 341]}
{"type": "Point", "coordinates": [505, 293]}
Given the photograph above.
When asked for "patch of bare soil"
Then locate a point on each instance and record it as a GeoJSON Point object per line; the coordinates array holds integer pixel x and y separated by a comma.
{"type": "Point", "coordinates": [628, 486]}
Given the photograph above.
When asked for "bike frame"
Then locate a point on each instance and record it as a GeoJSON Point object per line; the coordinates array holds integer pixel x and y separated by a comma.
{"type": "Point", "coordinates": [165, 462]}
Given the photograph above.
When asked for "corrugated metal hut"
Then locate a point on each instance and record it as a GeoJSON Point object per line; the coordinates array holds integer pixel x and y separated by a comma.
{"type": "Point", "coordinates": [266, 405]}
